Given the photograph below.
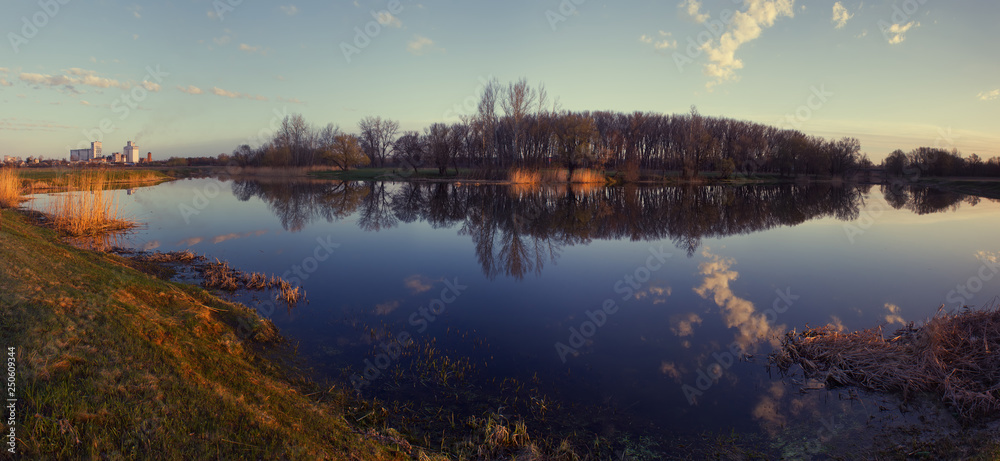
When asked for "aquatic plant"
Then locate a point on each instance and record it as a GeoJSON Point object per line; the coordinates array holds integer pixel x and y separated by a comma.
{"type": "Point", "coordinates": [952, 354]}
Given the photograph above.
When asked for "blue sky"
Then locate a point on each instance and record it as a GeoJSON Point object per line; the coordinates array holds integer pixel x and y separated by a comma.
{"type": "Point", "coordinates": [198, 77]}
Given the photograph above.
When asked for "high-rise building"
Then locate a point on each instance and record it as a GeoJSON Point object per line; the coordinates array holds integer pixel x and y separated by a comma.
{"type": "Point", "coordinates": [131, 152]}
{"type": "Point", "coordinates": [86, 155]}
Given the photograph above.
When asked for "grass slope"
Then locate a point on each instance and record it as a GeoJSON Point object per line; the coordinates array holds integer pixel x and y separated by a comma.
{"type": "Point", "coordinates": [113, 363]}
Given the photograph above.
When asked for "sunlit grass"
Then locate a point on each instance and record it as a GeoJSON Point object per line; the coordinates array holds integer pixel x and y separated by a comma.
{"type": "Point", "coordinates": [523, 176]}
{"type": "Point", "coordinates": [87, 210]}
{"type": "Point", "coordinates": [10, 188]}
{"type": "Point", "coordinates": [587, 176]}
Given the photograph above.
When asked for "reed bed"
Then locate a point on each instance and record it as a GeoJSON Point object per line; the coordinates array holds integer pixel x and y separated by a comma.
{"type": "Point", "coordinates": [88, 210]}
{"type": "Point", "coordinates": [10, 188]}
{"type": "Point", "coordinates": [587, 176]}
{"type": "Point", "coordinates": [526, 177]}
{"type": "Point", "coordinates": [219, 275]}
{"type": "Point", "coordinates": [956, 356]}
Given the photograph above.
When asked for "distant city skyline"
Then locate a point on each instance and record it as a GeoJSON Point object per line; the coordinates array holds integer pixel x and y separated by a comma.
{"type": "Point", "coordinates": [199, 78]}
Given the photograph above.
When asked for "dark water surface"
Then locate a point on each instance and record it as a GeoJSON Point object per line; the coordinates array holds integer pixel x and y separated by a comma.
{"type": "Point", "coordinates": [607, 301]}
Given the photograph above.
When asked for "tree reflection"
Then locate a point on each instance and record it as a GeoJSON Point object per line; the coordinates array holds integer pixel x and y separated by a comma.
{"type": "Point", "coordinates": [517, 230]}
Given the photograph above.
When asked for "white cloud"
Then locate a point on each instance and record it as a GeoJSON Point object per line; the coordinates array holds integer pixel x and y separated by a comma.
{"type": "Point", "coordinates": [236, 95]}
{"type": "Point", "coordinates": [85, 103]}
{"type": "Point", "coordinates": [225, 39]}
{"type": "Point", "coordinates": [290, 10]}
{"type": "Point", "coordinates": [745, 26]}
{"type": "Point", "coordinates": [74, 76]}
{"type": "Point", "coordinates": [419, 45]}
{"type": "Point", "coordinates": [387, 19]}
{"type": "Point", "coordinates": [191, 89]}
{"type": "Point", "coordinates": [135, 9]}
{"type": "Point", "coordinates": [896, 33]}
{"type": "Point", "coordinates": [664, 43]}
{"type": "Point", "coordinates": [150, 86]}
{"type": "Point", "coordinates": [892, 315]}
{"type": "Point", "coordinates": [4, 82]}
{"type": "Point", "coordinates": [229, 94]}
{"type": "Point", "coordinates": [841, 15]}
{"type": "Point", "coordinates": [989, 95]}
{"type": "Point", "coordinates": [253, 49]}
{"type": "Point", "coordinates": [693, 8]}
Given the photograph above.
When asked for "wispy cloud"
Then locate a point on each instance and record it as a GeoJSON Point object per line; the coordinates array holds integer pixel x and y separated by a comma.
{"type": "Point", "coordinates": [841, 15]}
{"type": "Point", "coordinates": [135, 10]}
{"type": "Point", "coordinates": [893, 314]}
{"type": "Point", "coordinates": [4, 82]}
{"type": "Point", "coordinates": [235, 94]}
{"type": "Point", "coordinates": [989, 95]}
{"type": "Point", "coordinates": [253, 49]}
{"type": "Point", "coordinates": [418, 283]}
{"type": "Point", "coordinates": [290, 10]}
{"type": "Point", "coordinates": [387, 19]}
{"type": "Point", "coordinates": [744, 27]}
{"type": "Point", "coordinates": [190, 89]}
{"type": "Point", "coordinates": [663, 42]}
{"type": "Point", "coordinates": [386, 308]}
{"type": "Point", "coordinates": [419, 45]}
{"type": "Point", "coordinates": [896, 33]}
{"type": "Point", "coordinates": [76, 77]}
{"type": "Point", "coordinates": [233, 236]}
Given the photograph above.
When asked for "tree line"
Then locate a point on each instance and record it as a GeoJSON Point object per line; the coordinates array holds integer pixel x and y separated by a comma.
{"type": "Point", "coordinates": [516, 126]}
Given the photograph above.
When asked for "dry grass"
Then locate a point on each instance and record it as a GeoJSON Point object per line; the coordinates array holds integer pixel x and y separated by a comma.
{"type": "Point", "coordinates": [219, 275]}
{"type": "Point", "coordinates": [10, 188]}
{"type": "Point", "coordinates": [587, 176]}
{"type": "Point", "coordinates": [522, 176]}
{"type": "Point", "coordinates": [88, 211]}
{"type": "Point", "coordinates": [953, 355]}
{"type": "Point", "coordinates": [555, 176]}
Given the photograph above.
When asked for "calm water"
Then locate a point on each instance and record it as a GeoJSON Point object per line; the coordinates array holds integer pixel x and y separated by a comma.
{"type": "Point", "coordinates": [500, 277]}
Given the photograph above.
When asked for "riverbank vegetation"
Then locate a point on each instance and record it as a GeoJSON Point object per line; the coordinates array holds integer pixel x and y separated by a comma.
{"type": "Point", "coordinates": [163, 367]}
{"type": "Point", "coordinates": [88, 209]}
{"type": "Point", "coordinates": [516, 127]}
{"type": "Point", "coordinates": [952, 355]}
{"type": "Point", "coordinates": [10, 188]}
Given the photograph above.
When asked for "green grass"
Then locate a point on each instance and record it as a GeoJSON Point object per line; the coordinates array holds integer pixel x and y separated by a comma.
{"type": "Point", "coordinates": [113, 363]}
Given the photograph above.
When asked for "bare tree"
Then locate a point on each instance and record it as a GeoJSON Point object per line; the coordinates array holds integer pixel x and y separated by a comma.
{"type": "Point", "coordinates": [410, 150]}
{"type": "Point", "coordinates": [377, 137]}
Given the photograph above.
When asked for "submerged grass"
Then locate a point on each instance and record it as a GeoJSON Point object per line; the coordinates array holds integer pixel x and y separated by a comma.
{"type": "Point", "coordinates": [88, 210]}
{"type": "Point", "coordinates": [114, 364]}
{"type": "Point", "coordinates": [953, 355]}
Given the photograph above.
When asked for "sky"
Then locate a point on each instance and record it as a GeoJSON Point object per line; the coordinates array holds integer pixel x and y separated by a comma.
{"type": "Point", "coordinates": [199, 77]}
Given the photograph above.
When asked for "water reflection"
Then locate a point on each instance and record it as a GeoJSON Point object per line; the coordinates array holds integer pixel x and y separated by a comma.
{"type": "Point", "coordinates": [517, 230]}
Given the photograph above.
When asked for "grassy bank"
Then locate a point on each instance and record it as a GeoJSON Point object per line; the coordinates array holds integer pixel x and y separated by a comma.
{"type": "Point", "coordinates": [42, 180]}
{"type": "Point", "coordinates": [113, 363]}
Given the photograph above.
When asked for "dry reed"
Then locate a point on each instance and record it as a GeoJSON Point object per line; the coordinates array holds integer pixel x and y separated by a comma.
{"type": "Point", "coordinates": [10, 188]}
{"type": "Point", "coordinates": [219, 275]}
{"type": "Point", "coordinates": [956, 356]}
{"type": "Point", "coordinates": [88, 210]}
{"type": "Point", "coordinates": [587, 176]}
{"type": "Point", "coordinates": [522, 176]}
